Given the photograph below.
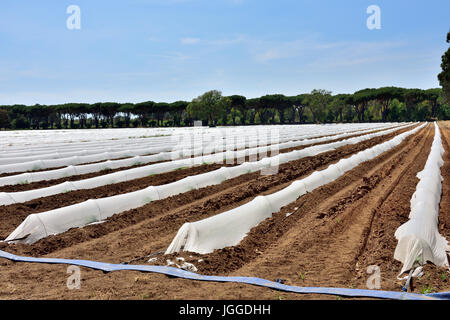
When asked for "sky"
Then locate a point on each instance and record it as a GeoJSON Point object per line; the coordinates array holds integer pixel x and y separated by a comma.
{"type": "Point", "coordinates": [168, 50]}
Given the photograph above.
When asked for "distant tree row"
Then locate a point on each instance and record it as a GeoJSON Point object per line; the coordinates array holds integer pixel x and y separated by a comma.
{"type": "Point", "coordinates": [319, 106]}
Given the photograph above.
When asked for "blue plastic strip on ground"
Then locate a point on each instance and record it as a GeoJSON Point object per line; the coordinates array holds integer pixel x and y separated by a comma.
{"type": "Point", "coordinates": [175, 272]}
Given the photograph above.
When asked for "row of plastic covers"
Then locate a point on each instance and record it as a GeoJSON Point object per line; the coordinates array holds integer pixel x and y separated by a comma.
{"type": "Point", "coordinates": [229, 228]}
{"type": "Point", "coordinates": [39, 160]}
{"type": "Point", "coordinates": [28, 142]}
{"type": "Point", "coordinates": [43, 139]}
{"type": "Point", "coordinates": [42, 151]}
{"type": "Point", "coordinates": [419, 240]}
{"type": "Point", "coordinates": [37, 226]}
{"type": "Point", "coordinates": [110, 146]}
{"type": "Point", "coordinates": [16, 143]}
{"type": "Point", "coordinates": [129, 146]}
{"type": "Point", "coordinates": [7, 198]}
{"type": "Point", "coordinates": [66, 158]}
{"type": "Point", "coordinates": [164, 153]}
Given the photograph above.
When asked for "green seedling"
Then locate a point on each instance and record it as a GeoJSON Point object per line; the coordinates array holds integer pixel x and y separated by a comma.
{"type": "Point", "coordinates": [427, 290]}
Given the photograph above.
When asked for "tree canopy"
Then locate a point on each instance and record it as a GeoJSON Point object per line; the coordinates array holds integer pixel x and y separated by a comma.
{"type": "Point", "coordinates": [210, 107]}
{"type": "Point", "coordinates": [444, 76]}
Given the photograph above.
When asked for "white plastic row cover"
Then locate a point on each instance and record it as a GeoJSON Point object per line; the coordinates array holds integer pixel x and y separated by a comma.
{"type": "Point", "coordinates": [140, 172]}
{"type": "Point", "coordinates": [50, 152]}
{"type": "Point", "coordinates": [34, 146]}
{"type": "Point", "coordinates": [419, 240]}
{"type": "Point", "coordinates": [111, 146]}
{"type": "Point", "coordinates": [27, 142]}
{"type": "Point", "coordinates": [161, 155]}
{"type": "Point", "coordinates": [40, 225]}
{"type": "Point", "coordinates": [53, 160]}
{"type": "Point", "coordinates": [30, 177]}
{"type": "Point", "coordinates": [230, 227]}
{"type": "Point", "coordinates": [54, 154]}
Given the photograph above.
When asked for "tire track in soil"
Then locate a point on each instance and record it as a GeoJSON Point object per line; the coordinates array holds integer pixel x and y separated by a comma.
{"type": "Point", "coordinates": [444, 211]}
{"type": "Point", "coordinates": [167, 215]}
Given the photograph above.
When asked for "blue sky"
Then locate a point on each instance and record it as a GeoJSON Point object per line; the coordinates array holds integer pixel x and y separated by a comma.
{"type": "Point", "coordinates": [167, 50]}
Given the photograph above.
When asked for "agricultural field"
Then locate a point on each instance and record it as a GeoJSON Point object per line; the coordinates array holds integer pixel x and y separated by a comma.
{"type": "Point", "coordinates": [304, 205]}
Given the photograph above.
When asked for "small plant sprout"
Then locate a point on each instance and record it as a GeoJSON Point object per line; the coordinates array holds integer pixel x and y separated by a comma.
{"type": "Point", "coordinates": [427, 290]}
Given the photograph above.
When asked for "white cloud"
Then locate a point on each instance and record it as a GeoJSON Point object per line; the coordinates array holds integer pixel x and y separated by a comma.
{"type": "Point", "coordinates": [153, 39]}
{"type": "Point", "coordinates": [189, 41]}
{"type": "Point", "coordinates": [341, 53]}
{"type": "Point", "coordinates": [228, 41]}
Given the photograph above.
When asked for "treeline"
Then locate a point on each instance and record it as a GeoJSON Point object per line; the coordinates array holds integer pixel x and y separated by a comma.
{"type": "Point", "coordinates": [319, 106]}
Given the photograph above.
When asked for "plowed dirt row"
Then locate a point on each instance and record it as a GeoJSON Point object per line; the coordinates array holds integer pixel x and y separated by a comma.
{"type": "Point", "coordinates": [333, 233]}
